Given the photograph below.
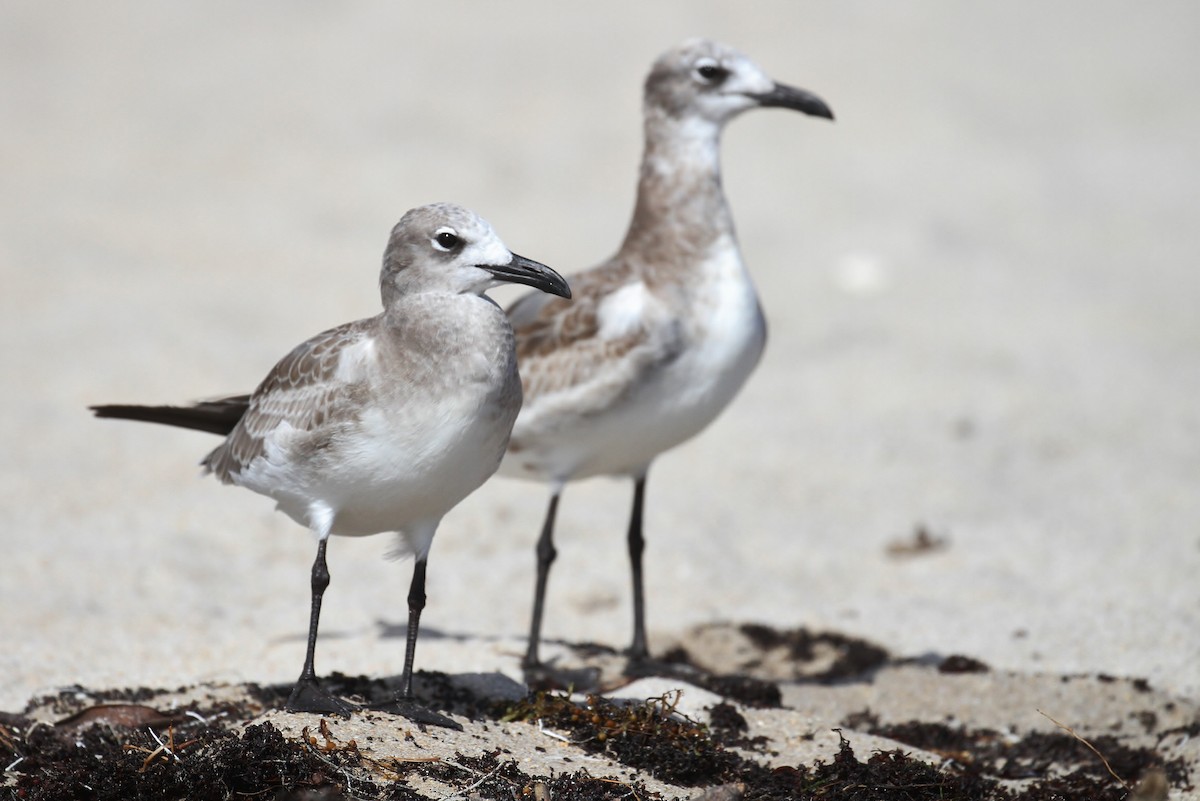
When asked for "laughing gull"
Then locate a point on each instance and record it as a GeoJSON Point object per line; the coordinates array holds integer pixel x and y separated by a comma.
{"type": "Point", "coordinates": [383, 424]}
{"type": "Point", "coordinates": [661, 336]}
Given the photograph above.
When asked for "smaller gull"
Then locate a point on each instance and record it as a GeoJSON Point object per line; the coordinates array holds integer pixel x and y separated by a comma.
{"type": "Point", "coordinates": [383, 424]}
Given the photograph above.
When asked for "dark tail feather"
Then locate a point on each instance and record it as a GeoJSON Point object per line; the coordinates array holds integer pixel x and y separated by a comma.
{"type": "Point", "coordinates": [214, 416]}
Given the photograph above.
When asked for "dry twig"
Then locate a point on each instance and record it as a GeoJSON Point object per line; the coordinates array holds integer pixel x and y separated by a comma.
{"type": "Point", "coordinates": [1095, 750]}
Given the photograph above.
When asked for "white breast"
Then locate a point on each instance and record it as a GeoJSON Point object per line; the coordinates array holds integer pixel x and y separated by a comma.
{"type": "Point", "coordinates": [419, 433]}
{"type": "Point", "coordinates": [717, 332]}
{"type": "Point", "coordinates": [725, 334]}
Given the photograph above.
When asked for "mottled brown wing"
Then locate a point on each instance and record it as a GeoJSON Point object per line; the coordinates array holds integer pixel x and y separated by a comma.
{"type": "Point", "coordinates": [564, 347]}
{"type": "Point", "coordinates": [299, 390]}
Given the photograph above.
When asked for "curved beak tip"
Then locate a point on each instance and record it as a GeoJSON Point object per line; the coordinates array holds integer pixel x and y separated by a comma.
{"type": "Point", "coordinates": [521, 270]}
{"type": "Point", "coordinates": [784, 96]}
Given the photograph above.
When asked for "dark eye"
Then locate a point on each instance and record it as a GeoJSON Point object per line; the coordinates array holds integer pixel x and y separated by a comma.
{"type": "Point", "coordinates": [445, 240]}
{"type": "Point", "coordinates": [712, 73]}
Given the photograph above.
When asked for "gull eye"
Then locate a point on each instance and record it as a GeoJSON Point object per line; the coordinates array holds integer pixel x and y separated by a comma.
{"type": "Point", "coordinates": [445, 239]}
{"type": "Point", "coordinates": [711, 72]}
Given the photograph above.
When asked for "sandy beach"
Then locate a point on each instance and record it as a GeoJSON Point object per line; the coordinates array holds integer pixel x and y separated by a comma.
{"type": "Point", "coordinates": [980, 283]}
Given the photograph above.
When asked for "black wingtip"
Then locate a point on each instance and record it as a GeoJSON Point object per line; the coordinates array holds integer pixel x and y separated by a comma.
{"type": "Point", "coordinates": [215, 417]}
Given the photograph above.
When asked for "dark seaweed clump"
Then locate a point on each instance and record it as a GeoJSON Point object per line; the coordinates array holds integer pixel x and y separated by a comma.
{"type": "Point", "coordinates": [200, 762]}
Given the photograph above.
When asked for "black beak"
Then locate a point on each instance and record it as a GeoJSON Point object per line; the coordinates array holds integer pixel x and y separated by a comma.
{"type": "Point", "coordinates": [527, 271]}
{"type": "Point", "coordinates": [784, 96]}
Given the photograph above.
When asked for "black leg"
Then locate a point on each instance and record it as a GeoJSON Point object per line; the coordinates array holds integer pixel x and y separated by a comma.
{"type": "Point", "coordinates": [546, 554]}
{"type": "Point", "coordinates": [637, 544]}
{"type": "Point", "coordinates": [416, 603]}
{"type": "Point", "coordinates": [307, 695]}
{"type": "Point", "coordinates": [403, 703]}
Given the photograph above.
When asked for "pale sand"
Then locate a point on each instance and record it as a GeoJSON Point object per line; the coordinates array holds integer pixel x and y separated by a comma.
{"type": "Point", "coordinates": [981, 284]}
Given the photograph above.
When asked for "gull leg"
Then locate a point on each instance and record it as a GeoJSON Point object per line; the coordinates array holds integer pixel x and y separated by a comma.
{"type": "Point", "coordinates": [403, 704]}
{"type": "Point", "coordinates": [307, 695]}
{"type": "Point", "coordinates": [638, 652]}
{"type": "Point", "coordinates": [416, 604]}
{"type": "Point", "coordinates": [546, 554]}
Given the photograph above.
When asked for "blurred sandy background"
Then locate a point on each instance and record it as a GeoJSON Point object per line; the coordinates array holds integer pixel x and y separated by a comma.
{"type": "Point", "coordinates": [982, 284]}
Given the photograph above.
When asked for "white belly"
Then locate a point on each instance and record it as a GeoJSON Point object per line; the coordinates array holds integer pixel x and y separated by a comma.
{"type": "Point", "coordinates": [676, 403]}
{"type": "Point", "coordinates": [723, 336]}
{"type": "Point", "coordinates": [378, 489]}
{"type": "Point", "coordinates": [400, 462]}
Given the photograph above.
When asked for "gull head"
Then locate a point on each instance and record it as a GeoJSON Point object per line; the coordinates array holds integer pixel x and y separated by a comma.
{"type": "Point", "coordinates": [703, 80]}
{"type": "Point", "coordinates": [443, 247]}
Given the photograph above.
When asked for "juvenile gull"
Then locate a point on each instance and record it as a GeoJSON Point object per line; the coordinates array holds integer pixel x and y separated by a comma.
{"type": "Point", "coordinates": [661, 336]}
{"type": "Point", "coordinates": [383, 424]}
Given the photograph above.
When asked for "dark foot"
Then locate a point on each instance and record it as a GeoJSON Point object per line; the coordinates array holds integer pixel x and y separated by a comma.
{"type": "Point", "coordinates": [642, 665]}
{"type": "Point", "coordinates": [407, 708]}
{"type": "Point", "coordinates": [307, 696]}
{"type": "Point", "coordinates": [543, 676]}
{"type": "Point", "coordinates": [639, 662]}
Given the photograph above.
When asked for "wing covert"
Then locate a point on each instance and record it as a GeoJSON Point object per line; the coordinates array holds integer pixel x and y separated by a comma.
{"type": "Point", "coordinates": [299, 391]}
{"type": "Point", "coordinates": [585, 353]}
